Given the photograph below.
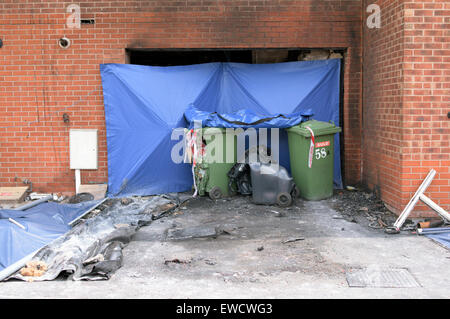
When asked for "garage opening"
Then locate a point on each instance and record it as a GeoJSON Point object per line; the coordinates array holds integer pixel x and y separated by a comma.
{"type": "Point", "coordinates": [172, 57]}
{"type": "Point", "coordinates": [176, 57]}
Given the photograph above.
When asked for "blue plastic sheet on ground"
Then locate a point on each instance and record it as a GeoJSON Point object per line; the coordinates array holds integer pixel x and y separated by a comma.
{"type": "Point", "coordinates": [43, 223]}
{"type": "Point", "coordinates": [144, 104]}
{"type": "Point", "coordinates": [442, 238]}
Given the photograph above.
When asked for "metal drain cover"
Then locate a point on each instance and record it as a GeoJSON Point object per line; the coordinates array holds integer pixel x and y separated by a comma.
{"type": "Point", "coordinates": [381, 278]}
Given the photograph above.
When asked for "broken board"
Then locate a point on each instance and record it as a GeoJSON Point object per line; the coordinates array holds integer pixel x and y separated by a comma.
{"type": "Point", "coordinates": [13, 194]}
{"type": "Point", "coordinates": [97, 190]}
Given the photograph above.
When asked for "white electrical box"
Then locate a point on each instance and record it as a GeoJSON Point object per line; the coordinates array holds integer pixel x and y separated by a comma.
{"type": "Point", "coordinates": [83, 148]}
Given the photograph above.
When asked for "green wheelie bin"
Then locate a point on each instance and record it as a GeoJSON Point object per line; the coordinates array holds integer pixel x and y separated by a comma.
{"type": "Point", "coordinates": [312, 164]}
{"type": "Point", "coordinates": [211, 172]}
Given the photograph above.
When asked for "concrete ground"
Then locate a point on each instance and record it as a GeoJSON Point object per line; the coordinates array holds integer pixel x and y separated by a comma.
{"type": "Point", "coordinates": [249, 257]}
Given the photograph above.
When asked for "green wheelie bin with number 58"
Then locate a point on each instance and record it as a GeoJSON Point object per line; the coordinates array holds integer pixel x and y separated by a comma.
{"type": "Point", "coordinates": [311, 152]}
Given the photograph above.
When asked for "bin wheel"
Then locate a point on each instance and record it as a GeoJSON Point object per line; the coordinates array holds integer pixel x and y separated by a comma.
{"type": "Point", "coordinates": [232, 189]}
{"type": "Point", "coordinates": [215, 193]}
{"type": "Point", "coordinates": [295, 192]}
{"type": "Point", "coordinates": [284, 199]}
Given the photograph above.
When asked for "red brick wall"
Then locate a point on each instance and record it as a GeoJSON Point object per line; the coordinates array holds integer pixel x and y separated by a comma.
{"type": "Point", "coordinates": [40, 81]}
{"type": "Point", "coordinates": [406, 99]}
{"type": "Point", "coordinates": [426, 99]}
{"type": "Point", "coordinates": [382, 101]}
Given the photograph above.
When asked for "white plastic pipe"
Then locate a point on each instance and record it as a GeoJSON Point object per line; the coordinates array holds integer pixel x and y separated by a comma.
{"type": "Point", "coordinates": [413, 201]}
{"type": "Point", "coordinates": [16, 223]}
{"type": "Point", "coordinates": [435, 207]}
{"type": "Point", "coordinates": [34, 203]}
{"type": "Point", "coordinates": [425, 231]}
{"type": "Point", "coordinates": [77, 181]}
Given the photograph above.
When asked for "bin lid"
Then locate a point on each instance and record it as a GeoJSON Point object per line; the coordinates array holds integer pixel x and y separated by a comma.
{"type": "Point", "coordinates": [318, 127]}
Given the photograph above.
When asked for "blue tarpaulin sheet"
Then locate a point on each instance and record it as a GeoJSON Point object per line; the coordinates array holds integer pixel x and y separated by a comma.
{"type": "Point", "coordinates": [244, 118]}
{"type": "Point", "coordinates": [439, 236]}
{"type": "Point", "coordinates": [43, 223]}
{"type": "Point", "coordinates": [144, 104]}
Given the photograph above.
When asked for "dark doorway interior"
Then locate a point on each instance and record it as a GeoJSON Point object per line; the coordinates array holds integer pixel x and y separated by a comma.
{"type": "Point", "coordinates": [187, 57]}
{"type": "Point", "coordinates": [171, 57]}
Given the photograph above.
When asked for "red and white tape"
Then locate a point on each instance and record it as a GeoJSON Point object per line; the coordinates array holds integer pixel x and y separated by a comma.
{"type": "Point", "coordinates": [311, 147]}
{"type": "Point", "coordinates": [192, 146]}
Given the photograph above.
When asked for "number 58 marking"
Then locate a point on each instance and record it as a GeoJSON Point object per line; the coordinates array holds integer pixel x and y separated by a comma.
{"type": "Point", "coordinates": [321, 153]}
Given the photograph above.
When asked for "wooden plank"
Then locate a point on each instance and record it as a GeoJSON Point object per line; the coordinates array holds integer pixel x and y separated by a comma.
{"type": "Point", "coordinates": [98, 190]}
{"type": "Point", "coordinates": [13, 194]}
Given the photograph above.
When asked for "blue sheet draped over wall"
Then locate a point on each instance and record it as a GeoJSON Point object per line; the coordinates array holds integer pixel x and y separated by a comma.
{"type": "Point", "coordinates": [143, 104]}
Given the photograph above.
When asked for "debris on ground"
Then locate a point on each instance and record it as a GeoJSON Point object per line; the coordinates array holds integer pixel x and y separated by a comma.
{"type": "Point", "coordinates": [381, 223]}
{"type": "Point", "coordinates": [291, 240]}
{"type": "Point", "coordinates": [261, 248]}
{"type": "Point", "coordinates": [121, 225]}
{"type": "Point", "coordinates": [166, 207]}
{"type": "Point", "coordinates": [210, 262]}
{"type": "Point", "coordinates": [419, 195]}
{"type": "Point", "coordinates": [93, 260]}
{"type": "Point", "coordinates": [94, 212]}
{"type": "Point", "coordinates": [362, 207]}
{"type": "Point", "coordinates": [430, 224]}
{"type": "Point", "coordinates": [227, 230]}
{"type": "Point", "coordinates": [80, 197]}
{"type": "Point", "coordinates": [92, 248]}
{"type": "Point", "coordinates": [202, 231]}
{"type": "Point", "coordinates": [126, 201]}
{"type": "Point", "coordinates": [176, 261]}
{"type": "Point", "coordinates": [277, 214]}
{"type": "Point", "coordinates": [34, 268]}
{"type": "Point", "coordinates": [35, 225]}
